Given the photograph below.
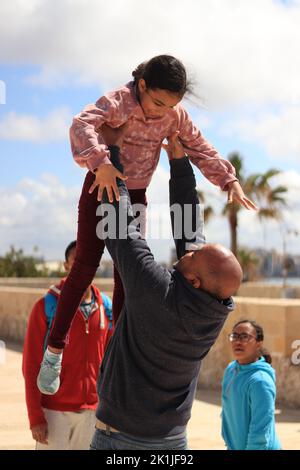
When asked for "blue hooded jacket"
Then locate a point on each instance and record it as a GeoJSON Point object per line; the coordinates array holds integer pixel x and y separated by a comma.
{"type": "Point", "coordinates": [248, 406]}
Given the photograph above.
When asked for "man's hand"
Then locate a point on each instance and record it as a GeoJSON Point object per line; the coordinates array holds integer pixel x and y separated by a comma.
{"type": "Point", "coordinates": [236, 193]}
{"type": "Point", "coordinates": [40, 433]}
{"type": "Point", "coordinates": [106, 174]}
{"type": "Point", "coordinates": [174, 148]}
{"type": "Point", "coordinates": [113, 136]}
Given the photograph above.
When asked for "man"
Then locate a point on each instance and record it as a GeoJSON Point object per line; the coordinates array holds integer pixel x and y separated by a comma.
{"type": "Point", "coordinates": [66, 421]}
{"type": "Point", "coordinates": [169, 321]}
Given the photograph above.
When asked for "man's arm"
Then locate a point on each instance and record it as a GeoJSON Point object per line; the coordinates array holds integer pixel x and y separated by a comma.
{"type": "Point", "coordinates": [130, 253]}
{"type": "Point", "coordinates": [186, 215]}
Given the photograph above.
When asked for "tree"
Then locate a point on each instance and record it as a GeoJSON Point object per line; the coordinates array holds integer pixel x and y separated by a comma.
{"type": "Point", "coordinates": [15, 264]}
{"type": "Point", "coordinates": [208, 210]}
{"type": "Point", "coordinates": [249, 262]}
{"type": "Point", "coordinates": [270, 200]}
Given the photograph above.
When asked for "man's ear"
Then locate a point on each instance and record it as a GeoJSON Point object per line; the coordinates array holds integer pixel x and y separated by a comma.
{"type": "Point", "coordinates": [65, 266]}
{"type": "Point", "coordinates": [196, 282]}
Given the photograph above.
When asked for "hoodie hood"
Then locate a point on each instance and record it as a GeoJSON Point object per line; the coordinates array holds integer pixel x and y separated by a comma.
{"type": "Point", "coordinates": [56, 289]}
{"type": "Point", "coordinates": [258, 366]}
{"type": "Point", "coordinates": [195, 305]}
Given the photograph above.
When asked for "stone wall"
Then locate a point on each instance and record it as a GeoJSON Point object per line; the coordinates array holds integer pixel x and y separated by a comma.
{"type": "Point", "coordinates": [270, 291]}
{"type": "Point", "coordinates": [15, 306]}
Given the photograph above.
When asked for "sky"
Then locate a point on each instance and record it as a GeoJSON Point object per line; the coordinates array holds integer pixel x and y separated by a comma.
{"type": "Point", "coordinates": [56, 56]}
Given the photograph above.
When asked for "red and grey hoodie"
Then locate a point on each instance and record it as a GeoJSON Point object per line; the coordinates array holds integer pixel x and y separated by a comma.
{"type": "Point", "coordinates": [82, 357]}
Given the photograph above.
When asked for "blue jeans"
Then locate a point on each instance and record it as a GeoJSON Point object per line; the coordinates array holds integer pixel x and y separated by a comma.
{"type": "Point", "coordinates": [121, 441]}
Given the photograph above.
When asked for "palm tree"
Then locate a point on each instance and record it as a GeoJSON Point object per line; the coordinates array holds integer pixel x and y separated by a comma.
{"type": "Point", "coordinates": [257, 185]}
{"type": "Point", "coordinates": [249, 262]}
{"type": "Point", "coordinates": [208, 210]}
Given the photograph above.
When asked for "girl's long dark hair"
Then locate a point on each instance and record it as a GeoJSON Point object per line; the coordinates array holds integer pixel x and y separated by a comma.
{"type": "Point", "coordinates": [259, 337]}
{"type": "Point", "coordinates": [164, 72]}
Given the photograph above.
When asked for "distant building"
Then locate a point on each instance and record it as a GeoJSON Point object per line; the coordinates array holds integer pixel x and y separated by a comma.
{"type": "Point", "coordinates": [272, 263]}
{"type": "Point", "coordinates": [50, 266]}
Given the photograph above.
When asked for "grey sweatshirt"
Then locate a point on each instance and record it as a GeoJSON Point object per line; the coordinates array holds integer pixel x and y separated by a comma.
{"type": "Point", "coordinates": [149, 373]}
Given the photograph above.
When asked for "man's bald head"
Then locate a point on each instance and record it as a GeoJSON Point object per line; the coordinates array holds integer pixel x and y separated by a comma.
{"type": "Point", "coordinates": [213, 269]}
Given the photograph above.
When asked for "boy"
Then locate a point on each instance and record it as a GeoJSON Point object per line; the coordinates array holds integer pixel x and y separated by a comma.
{"type": "Point", "coordinates": [66, 421]}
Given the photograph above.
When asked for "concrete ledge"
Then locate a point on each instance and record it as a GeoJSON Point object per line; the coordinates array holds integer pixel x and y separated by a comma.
{"type": "Point", "coordinates": [271, 291]}
{"type": "Point", "coordinates": [15, 306]}
{"type": "Point", "coordinates": [45, 282]}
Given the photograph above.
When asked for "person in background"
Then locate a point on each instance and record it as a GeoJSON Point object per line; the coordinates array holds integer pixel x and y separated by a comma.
{"type": "Point", "coordinates": [66, 421]}
{"type": "Point", "coordinates": [249, 392]}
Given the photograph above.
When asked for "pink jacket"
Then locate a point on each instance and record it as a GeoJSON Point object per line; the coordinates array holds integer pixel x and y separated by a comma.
{"type": "Point", "coordinates": [144, 136]}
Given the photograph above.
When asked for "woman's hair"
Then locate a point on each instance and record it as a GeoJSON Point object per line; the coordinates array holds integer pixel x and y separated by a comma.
{"type": "Point", "coordinates": [259, 337]}
{"type": "Point", "coordinates": [164, 72]}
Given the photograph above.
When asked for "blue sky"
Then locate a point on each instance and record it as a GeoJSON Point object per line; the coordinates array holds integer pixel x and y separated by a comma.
{"type": "Point", "coordinates": [247, 68]}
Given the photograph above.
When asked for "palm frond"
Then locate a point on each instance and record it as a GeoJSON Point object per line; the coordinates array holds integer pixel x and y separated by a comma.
{"type": "Point", "coordinates": [208, 213]}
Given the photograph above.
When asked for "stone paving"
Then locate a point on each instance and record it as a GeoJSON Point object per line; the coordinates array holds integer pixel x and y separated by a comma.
{"type": "Point", "coordinates": [203, 428]}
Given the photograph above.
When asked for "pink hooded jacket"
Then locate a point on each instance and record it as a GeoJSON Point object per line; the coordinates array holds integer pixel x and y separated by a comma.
{"type": "Point", "coordinates": [144, 136]}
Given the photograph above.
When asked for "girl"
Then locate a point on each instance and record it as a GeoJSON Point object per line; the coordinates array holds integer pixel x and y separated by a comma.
{"type": "Point", "coordinates": [249, 392]}
{"type": "Point", "coordinates": [150, 107]}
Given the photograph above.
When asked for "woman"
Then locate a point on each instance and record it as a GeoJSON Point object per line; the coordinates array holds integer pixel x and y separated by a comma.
{"type": "Point", "coordinates": [249, 392]}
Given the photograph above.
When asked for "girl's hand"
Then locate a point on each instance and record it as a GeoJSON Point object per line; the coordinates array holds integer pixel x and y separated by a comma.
{"type": "Point", "coordinates": [174, 148]}
{"type": "Point", "coordinates": [236, 193]}
{"type": "Point", "coordinates": [106, 179]}
{"type": "Point", "coordinates": [106, 174]}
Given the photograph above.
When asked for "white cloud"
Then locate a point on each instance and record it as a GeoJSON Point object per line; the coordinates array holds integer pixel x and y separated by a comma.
{"type": "Point", "coordinates": [277, 132]}
{"type": "Point", "coordinates": [54, 126]}
{"type": "Point", "coordinates": [42, 213]}
{"type": "Point", "coordinates": [240, 51]}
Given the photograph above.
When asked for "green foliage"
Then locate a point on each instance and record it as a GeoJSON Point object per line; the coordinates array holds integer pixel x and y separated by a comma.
{"type": "Point", "coordinates": [249, 262]}
{"type": "Point", "coordinates": [16, 264]}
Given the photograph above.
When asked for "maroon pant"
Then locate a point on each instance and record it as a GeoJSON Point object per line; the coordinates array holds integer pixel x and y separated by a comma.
{"type": "Point", "coordinates": [89, 249]}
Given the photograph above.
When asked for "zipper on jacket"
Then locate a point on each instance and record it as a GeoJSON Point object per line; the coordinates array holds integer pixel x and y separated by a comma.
{"type": "Point", "coordinates": [236, 371]}
{"type": "Point", "coordinates": [102, 317]}
{"type": "Point", "coordinates": [86, 360]}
